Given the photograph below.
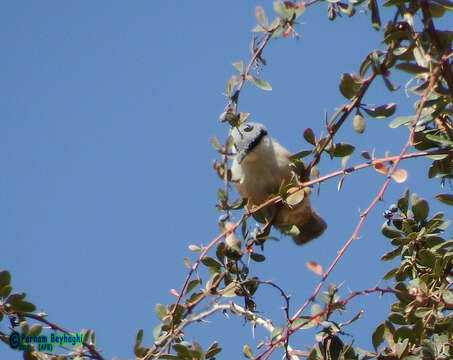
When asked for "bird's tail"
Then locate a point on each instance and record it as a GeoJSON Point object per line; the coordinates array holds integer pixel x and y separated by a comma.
{"type": "Point", "coordinates": [311, 228]}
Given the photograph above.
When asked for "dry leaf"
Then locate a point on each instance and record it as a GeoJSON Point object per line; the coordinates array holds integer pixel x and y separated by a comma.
{"type": "Point", "coordinates": [400, 176]}
{"type": "Point", "coordinates": [314, 267]}
{"type": "Point", "coordinates": [194, 248]}
{"type": "Point", "coordinates": [365, 155]}
{"type": "Point", "coordinates": [296, 198]}
{"type": "Point", "coordinates": [381, 168]}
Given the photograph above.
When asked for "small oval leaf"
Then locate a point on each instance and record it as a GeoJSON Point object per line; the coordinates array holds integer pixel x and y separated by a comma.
{"type": "Point", "coordinates": [445, 198]}
{"type": "Point", "coordinates": [359, 124]}
{"type": "Point", "coordinates": [259, 83]}
{"type": "Point", "coordinates": [314, 267]}
{"type": "Point", "coordinates": [420, 208]}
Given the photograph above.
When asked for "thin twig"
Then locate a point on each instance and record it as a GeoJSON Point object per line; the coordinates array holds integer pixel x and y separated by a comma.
{"type": "Point", "coordinates": [436, 72]}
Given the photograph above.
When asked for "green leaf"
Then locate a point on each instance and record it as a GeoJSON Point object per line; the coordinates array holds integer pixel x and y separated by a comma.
{"type": "Point", "coordinates": [350, 85]}
{"type": "Point", "coordinates": [309, 136]}
{"type": "Point", "coordinates": [183, 351]}
{"type": "Point", "coordinates": [390, 232]}
{"type": "Point", "coordinates": [282, 10]}
{"type": "Point", "coordinates": [422, 311]}
{"type": "Point", "coordinates": [437, 156]}
{"type": "Point", "coordinates": [403, 201]}
{"type": "Point", "coordinates": [157, 331]}
{"type": "Point", "coordinates": [259, 83]}
{"type": "Point", "coordinates": [5, 291]}
{"type": "Point", "coordinates": [392, 254]}
{"type": "Point", "coordinates": [426, 258]}
{"type": "Point", "coordinates": [378, 336]}
{"type": "Point", "coordinates": [138, 351]}
{"type": "Point", "coordinates": [334, 348]}
{"type": "Point", "coordinates": [394, 2]}
{"type": "Point", "coordinates": [341, 149]}
{"type": "Point", "coordinates": [239, 66]}
{"type": "Point", "coordinates": [391, 273]}
{"type": "Point", "coordinates": [291, 230]}
{"type": "Point", "coordinates": [252, 285]}
{"type": "Point", "coordinates": [276, 332]}
{"type": "Point", "coordinates": [382, 111]}
{"type": "Point", "coordinates": [221, 195]}
{"type": "Point", "coordinates": [301, 154]}
{"type": "Point", "coordinates": [277, 31]}
{"type": "Point", "coordinates": [24, 327]}
{"type": "Point", "coordinates": [440, 139]}
{"type": "Point", "coordinates": [210, 262]}
{"type": "Point", "coordinates": [389, 329]}
{"type": "Point", "coordinates": [238, 203]}
{"type": "Point", "coordinates": [301, 320]}
{"type": "Point", "coordinates": [315, 309]}
{"type": "Point", "coordinates": [161, 311]}
{"type": "Point", "coordinates": [213, 350]}
{"type": "Point", "coordinates": [445, 198]}
{"type": "Point", "coordinates": [375, 18]}
{"type": "Point", "coordinates": [401, 120]}
{"type": "Point", "coordinates": [229, 290]}
{"type": "Point", "coordinates": [402, 333]}
{"type": "Point", "coordinates": [5, 278]}
{"type": "Point", "coordinates": [18, 304]}
{"type": "Point", "coordinates": [359, 123]}
{"type": "Point", "coordinates": [231, 83]}
{"type": "Point", "coordinates": [35, 330]}
{"type": "Point", "coordinates": [411, 68]}
{"type": "Point", "coordinates": [365, 66]}
{"type": "Point", "coordinates": [247, 351]}
{"type": "Point", "coordinates": [397, 318]}
{"type": "Point", "coordinates": [420, 208]}
{"type": "Point", "coordinates": [257, 257]}
{"type": "Point", "coordinates": [191, 286]}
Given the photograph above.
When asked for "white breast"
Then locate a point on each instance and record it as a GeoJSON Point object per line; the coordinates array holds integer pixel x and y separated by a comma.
{"type": "Point", "coordinates": [262, 171]}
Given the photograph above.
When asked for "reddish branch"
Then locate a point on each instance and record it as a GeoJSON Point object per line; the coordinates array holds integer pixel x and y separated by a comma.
{"type": "Point", "coordinates": [433, 79]}
{"type": "Point", "coordinates": [331, 132]}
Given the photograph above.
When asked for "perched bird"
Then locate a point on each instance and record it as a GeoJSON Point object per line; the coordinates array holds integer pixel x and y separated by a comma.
{"type": "Point", "coordinates": [261, 166]}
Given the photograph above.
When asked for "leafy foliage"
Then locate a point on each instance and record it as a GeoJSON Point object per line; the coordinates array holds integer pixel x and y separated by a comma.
{"type": "Point", "coordinates": [419, 324]}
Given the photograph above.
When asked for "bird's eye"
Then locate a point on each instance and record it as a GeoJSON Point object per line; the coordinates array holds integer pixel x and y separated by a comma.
{"type": "Point", "coordinates": [248, 128]}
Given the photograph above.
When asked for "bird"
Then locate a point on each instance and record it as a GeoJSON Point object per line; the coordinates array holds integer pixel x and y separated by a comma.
{"type": "Point", "coordinates": [260, 168]}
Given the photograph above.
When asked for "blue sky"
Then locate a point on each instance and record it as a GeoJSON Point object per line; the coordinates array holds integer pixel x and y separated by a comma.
{"type": "Point", "coordinates": [107, 108]}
